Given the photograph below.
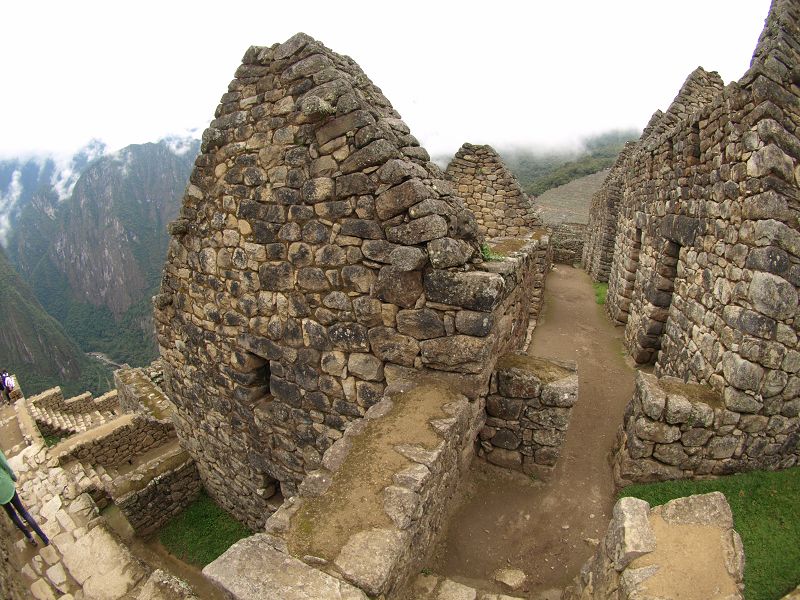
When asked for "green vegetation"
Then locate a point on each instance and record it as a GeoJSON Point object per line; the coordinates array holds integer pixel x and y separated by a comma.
{"type": "Point", "coordinates": [488, 254]}
{"type": "Point", "coordinates": [52, 440]}
{"type": "Point", "coordinates": [600, 292]}
{"type": "Point", "coordinates": [201, 533]}
{"type": "Point", "coordinates": [539, 171]}
{"type": "Point", "coordinates": [766, 513]}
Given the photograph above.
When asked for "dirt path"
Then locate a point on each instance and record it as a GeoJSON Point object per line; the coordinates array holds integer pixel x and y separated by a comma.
{"type": "Point", "coordinates": [539, 527]}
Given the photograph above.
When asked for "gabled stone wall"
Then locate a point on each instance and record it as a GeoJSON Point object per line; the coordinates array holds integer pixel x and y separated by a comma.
{"type": "Point", "coordinates": [318, 254]}
{"type": "Point", "coordinates": [501, 206]}
{"type": "Point", "coordinates": [706, 262]}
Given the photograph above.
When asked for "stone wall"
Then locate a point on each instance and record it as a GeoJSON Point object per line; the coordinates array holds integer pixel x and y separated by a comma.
{"type": "Point", "coordinates": [567, 240]}
{"type": "Point", "coordinates": [370, 514]}
{"type": "Point", "coordinates": [674, 430]}
{"type": "Point", "coordinates": [318, 253]}
{"type": "Point", "coordinates": [53, 399]}
{"type": "Point", "coordinates": [120, 444]}
{"type": "Point", "coordinates": [164, 497]}
{"type": "Point", "coordinates": [139, 391]}
{"type": "Point", "coordinates": [528, 412]}
{"type": "Point", "coordinates": [598, 248]}
{"type": "Point", "coordinates": [686, 549]}
{"type": "Point", "coordinates": [501, 206]}
{"type": "Point", "coordinates": [706, 262]}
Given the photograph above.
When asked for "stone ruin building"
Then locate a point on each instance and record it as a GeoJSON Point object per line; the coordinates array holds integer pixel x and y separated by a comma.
{"type": "Point", "coordinates": [697, 234]}
{"type": "Point", "coordinates": [335, 351]}
{"type": "Point", "coordinates": [500, 205]}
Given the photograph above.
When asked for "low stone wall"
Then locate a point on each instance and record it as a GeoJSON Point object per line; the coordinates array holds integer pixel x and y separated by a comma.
{"type": "Point", "coordinates": [528, 412]}
{"type": "Point", "coordinates": [140, 392]}
{"type": "Point", "coordinates": [167, 492]}
{"type": "Point", "coordinates": [481, 314]}
{"type": "Point", "coordinates": [674, 430]}
{"type": "Point", "coordinates": [53, 399]}
{"type": "Point", "coordinates": [686, 549]}
{"type": "Point", "coordinates": [121, 443]}
{"type": "Point", "coordinates": [406, 457]}
{"type": "Point", "coordinates": [567, 240]}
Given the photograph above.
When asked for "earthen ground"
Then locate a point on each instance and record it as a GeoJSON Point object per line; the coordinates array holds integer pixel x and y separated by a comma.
{"type": "Point", "coordinates": [548, 528]}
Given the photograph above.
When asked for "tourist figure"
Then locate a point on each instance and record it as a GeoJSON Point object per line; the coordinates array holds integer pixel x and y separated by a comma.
{"type": "Point", "coordinates": [4, 390]}
{"type": "Point", "coordinates": [13, 505]}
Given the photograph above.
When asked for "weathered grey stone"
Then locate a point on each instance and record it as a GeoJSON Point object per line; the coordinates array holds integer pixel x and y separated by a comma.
{"type": "Point", "coordinates": [251, 565]}
{"type": "Point", "coordinates": [460, 353]}
{"type": "Point", "coordinates": [365, 366]}
{"type": "Point", "coordinates": [563, 393]}
{"type": "Point", "coordinates": [388, 345]}
{"type": "Point", "coordinates": [657, 432]}
{"type": "Point", "coordinates": [511, 578]}
{"type": "Point", "coordinates": [447, 252]}
{"type": "Point", "coordinates": [368, 558]}
{"type": "Point", "coordinates": [418, 230]}
{"type": "Point", "coordinates": [701, 509]}
{"type": "Point", "coordinates": [629, 533]}
{"type": "Point", "coordinates": [472, 290]}
{"type": "Point", "coordinates": [773, 295]}
{"type": "Point", "coordinates": [420, 324]}
{"type": "Point", "coordinates": [473, 323]}
{"type": "Point", "coordinates": [399, 287]}
{"type": "Point", "coordinates": [400, 504]}
{"type": "Point", "coordinates": [509, 459]}
{"type": "Point", "coordinates": [397, 199]}
{"type": "Point", "coordinates": [406, 258]}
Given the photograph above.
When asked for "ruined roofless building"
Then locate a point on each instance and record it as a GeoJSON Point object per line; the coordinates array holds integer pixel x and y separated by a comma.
{"type": "Point", "coordinates": [705, 268]}
{"type": "Point", "coordinates": [492, 193]}
{"type": "Point", "coordinates": [318, 254]}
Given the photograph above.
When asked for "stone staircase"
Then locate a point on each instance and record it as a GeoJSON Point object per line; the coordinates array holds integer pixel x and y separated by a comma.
{"type": "Point", "coordinates": [54, 422]}
{"type": "Point", "coordinates": [86, 559]}
{"type": "Point", "coordinates": [91, 479]}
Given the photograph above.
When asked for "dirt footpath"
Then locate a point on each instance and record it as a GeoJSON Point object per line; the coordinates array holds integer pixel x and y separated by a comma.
{"type": "Point", "coordinates": [548, 528]}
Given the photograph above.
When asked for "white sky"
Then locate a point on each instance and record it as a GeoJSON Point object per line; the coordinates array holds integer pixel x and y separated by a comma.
{"type": "Point", "coordinates": [527, 73]}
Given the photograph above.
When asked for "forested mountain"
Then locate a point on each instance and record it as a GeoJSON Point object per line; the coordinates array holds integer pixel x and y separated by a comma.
{"type": "Point", "coordinates": [94, 258]}
{"type": "Point", "coordinates": [540, 171]}
{"type": "Point", "coordinates": [35, 347]}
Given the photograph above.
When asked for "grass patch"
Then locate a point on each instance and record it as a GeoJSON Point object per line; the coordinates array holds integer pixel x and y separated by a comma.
{"type": "Point", "coordinates": [766, 513]}
{"type": "Point", "coordinates": [600, 292]}
{"type": "Point", "coordinates": [201, 533]}
{"type": "Point", "coordinates": [52, 440]}
{"type": "Point", "coordinates": [488, 254]}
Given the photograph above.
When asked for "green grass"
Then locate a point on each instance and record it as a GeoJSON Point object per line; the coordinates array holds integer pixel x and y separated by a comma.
{"type": "Point", "coordinates": [766, 513]}
{"type": "Point", "coordinates": [52, 440]}
{"type": "Point", "coordinates": [600, 292]}
{"type": "Point", "coordinates": [488, 254]}
{"type": "Point", "coordinates": [201, 533]}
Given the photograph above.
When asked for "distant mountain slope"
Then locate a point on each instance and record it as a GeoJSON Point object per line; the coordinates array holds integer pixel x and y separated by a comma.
{"type": "Point", "coordinates": [35, 347]}
{"type": "Point", "coordinates": [540, 171]}
{"type": "Point", "coordinates": [94, 259]}
{"type": "Point", "coordinates": [570, 203]}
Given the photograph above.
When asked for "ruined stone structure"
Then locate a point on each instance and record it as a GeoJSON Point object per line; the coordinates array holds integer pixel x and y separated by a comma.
{"type": "Point", "coordinates": [490, 190]}
{"type": "Point", "coordinates": [706, 259]}
{"type": "Point", "coordinates": [528, 412]}
{"type": "Point", "coordinates": [318, 255]}
{"type": "Point", "coordinates": [686, 548]}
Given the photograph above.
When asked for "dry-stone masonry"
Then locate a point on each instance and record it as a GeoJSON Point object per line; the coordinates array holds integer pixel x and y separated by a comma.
{"type": "Point", "coordinates": [706, 258]}
{"type": "Point", "coordinates": [674, 430]}
{"type": "Point", "coordinates": [57, 416]}
{"type": "Point", "coordinates": [317, 255]}
{"type": "Point", "coordinates": [501, 206]}
{"type": "Point", "coordinates": [686, 548]}
{"type": "Point", "coordinates": [528, 412]}
{"type": "Point", "coordinates": [568, 240]}
{"type": "Point", "coordinates": [369, 515]}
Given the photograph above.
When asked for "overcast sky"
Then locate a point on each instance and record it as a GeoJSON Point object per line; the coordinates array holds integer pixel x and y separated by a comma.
{"type": "Point", "coordinates": [508, 73]}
